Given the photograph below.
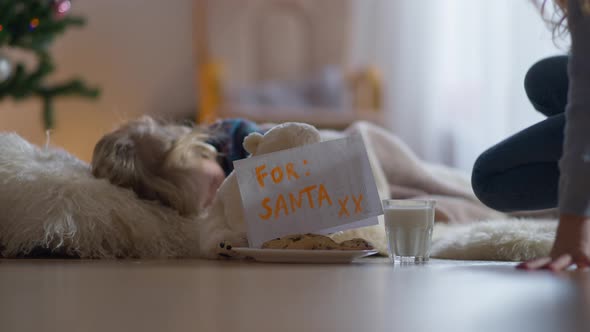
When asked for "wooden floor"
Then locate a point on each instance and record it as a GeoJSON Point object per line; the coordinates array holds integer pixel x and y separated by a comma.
{"type": "Point", "coordinates": [194, 295]}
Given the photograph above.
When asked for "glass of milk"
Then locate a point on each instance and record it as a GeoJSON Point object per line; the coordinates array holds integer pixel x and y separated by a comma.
{"type": "Point", "coordinates": [409, 224]}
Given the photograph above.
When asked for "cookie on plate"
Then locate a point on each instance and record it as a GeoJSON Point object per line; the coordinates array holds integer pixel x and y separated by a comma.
{"type": "Point", "coordinates": [356, 244]}
{"type": "Point", "coordinates": [315, 242]}
{"type": "Point", "coordinates": [302, 241]}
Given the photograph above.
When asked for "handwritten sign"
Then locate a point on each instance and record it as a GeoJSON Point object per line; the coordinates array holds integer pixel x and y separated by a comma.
{"type": "Point", "coordinates": [318, 188]}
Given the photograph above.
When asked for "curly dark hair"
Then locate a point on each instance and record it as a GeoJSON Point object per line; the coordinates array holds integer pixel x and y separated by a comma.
{"type": "Point", "coordinates": [555, 16]}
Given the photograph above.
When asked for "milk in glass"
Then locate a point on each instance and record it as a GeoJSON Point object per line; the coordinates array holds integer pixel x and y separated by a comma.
{"type": "Point", "coordinates": [409, 225]}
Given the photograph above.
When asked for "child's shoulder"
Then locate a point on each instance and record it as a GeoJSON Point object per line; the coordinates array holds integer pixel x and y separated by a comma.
{"type": "Point", "coordinates": [227, 136]}
{"type": "Point", "coordinates": [229, 126]}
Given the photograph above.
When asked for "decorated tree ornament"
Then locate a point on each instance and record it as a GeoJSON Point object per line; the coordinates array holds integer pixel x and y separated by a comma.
{"type": "Point", "coordinates": [5, 68]}
{"type": "Point", "coordinates": [62, 7]}
{"type": "Point", "coordinates": [34, 24]}
{"type": "Point", "coordinates": [29, 27]}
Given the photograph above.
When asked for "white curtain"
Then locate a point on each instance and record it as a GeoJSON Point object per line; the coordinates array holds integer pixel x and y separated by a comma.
{"type": "Point", "coordinates": [453, 70]}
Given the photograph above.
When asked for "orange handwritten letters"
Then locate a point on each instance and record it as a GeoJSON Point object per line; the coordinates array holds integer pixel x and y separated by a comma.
{"type": "Point", "coordinates": [304, 198]}
{"type": "Point", "coordinates": [277, 174]}
{"type": "Point", "coordinates": [285, 204]}
{"type": "Point", "coordinates": [307, 198]}
{"type": "Point", "coordinates": [357, 203]}
{"type": "Point", "coordinates": [328, 186]}
{"type": "Point", "coordinates": [343, 209]}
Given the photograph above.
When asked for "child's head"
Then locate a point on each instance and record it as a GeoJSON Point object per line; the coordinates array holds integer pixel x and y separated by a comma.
{"type": "Point", "coordinates": [169, 163]}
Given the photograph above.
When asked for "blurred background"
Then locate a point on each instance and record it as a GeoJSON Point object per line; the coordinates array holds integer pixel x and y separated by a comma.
{"type": "Point", "coordinates": [445, 76]}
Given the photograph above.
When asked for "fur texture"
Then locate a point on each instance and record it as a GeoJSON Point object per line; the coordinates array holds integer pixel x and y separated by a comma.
{"type": "Point", "coordinates": [501, 240]}
{"type": "Point", "coordinates": [49, 199]}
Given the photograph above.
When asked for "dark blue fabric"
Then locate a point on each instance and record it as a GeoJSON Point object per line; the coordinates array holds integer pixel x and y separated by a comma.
{"type": "Point", "coordinates": [227, 137]}
{"type": "Point", "coordinates": [522, 172]}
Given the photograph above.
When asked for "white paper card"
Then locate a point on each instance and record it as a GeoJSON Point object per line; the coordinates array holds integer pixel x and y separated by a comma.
{"type": "Point", "coordinates": [315, 188]}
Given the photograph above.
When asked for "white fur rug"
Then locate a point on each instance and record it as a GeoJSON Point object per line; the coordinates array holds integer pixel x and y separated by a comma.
{"type": "Point", "coordinates": [499, 240]}
{"type": "Point", "coordinates": [49, 199]}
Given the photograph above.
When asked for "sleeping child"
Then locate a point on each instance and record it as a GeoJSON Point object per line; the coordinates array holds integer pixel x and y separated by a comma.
{"type": "Point", "coordinates": [179, 166]}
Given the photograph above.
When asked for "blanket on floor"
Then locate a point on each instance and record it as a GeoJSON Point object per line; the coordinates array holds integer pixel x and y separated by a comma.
{"type": "Point", "coordinates": [465, 228]}
{"type": "Point", "coordinates": [49, 199]}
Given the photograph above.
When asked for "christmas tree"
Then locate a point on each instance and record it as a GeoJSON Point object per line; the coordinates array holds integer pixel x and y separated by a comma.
{"type": "Point", "coordinates": [32, 25]}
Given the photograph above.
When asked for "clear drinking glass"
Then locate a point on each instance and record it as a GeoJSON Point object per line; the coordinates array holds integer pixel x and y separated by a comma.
{"type": "Point", "coordinates": [409, 224]}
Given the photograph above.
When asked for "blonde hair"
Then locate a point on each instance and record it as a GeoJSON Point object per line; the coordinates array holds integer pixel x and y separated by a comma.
{"type": "Point", "coordinates": [156, 161]}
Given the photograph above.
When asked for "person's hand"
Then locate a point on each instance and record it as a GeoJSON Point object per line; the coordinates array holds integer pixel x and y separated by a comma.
{"type": "Point", "coordinates": [571, 247]}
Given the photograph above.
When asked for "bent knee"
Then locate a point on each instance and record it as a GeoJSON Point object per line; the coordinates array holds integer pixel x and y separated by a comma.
{"type": "Point", "coordinates": [479, 180]}
{"type": "Point", "coordinates": [545, 84]}
{"type": "Point", "coordinates": [482, 179]}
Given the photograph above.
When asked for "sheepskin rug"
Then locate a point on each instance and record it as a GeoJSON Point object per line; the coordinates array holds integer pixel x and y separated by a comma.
{"type": "Point", "coordinates": [50, 200]}
{"type": "Point", "coordinates": [498, 240]}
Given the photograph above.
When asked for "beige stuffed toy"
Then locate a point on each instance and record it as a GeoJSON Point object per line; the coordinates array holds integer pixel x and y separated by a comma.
{"type": "Point", "coordinates": [224, 227]}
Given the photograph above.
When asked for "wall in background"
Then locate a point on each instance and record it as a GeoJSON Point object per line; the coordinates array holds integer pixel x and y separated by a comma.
{"type": "Point", "coordinates": [453, 70]}
{"type": "Point", "coordinates": [140, 52]}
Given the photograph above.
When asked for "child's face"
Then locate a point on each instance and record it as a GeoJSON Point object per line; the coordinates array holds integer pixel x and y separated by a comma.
{"type": "Point", "coordinates": [214, 175]}
{"type": "Point", "coordinates": [166, 163]}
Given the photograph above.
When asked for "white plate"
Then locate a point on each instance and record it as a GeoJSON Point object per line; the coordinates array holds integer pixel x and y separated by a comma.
{"type": "Point", "coordinates": [304, 256]}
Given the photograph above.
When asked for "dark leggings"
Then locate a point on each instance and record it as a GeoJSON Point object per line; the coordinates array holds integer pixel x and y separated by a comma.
{"type": "Point", "coordinates": [521, 172]}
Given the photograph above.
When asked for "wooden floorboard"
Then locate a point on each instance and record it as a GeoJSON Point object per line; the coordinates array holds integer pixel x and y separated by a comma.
{"type": "Point", "coordinates": [196, 295]}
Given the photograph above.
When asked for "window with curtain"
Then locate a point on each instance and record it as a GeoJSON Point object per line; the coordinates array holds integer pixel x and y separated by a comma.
{"type": "Point", "coordinates": [454, 70]}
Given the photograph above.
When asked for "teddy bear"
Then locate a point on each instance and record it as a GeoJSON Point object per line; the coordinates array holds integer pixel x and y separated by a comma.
{"type": "Point", "coordinates": [223, 227]}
